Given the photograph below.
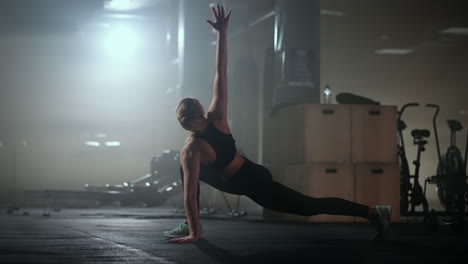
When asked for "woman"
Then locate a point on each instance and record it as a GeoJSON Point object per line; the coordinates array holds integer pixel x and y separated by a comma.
{"type": "Point", "coordinates": [210, 155]}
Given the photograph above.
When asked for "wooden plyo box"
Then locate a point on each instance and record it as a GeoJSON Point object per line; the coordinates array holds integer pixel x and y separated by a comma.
{"type": "Point", "coordinates": [309, 133]}
{"type": "Point", "coordinates": [332, 133]}
{"type": "Point", "coordinates": [378, 184]}
{"type": "Point", "coordinates": [374, 134]}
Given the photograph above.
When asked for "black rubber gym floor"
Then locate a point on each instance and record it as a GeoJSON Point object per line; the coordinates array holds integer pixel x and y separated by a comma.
{"type": "Point", "coordinates": [135, 236]}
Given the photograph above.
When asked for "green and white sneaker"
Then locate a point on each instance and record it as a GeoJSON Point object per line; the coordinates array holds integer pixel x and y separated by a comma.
{"type": "Point", "coordinates": [383, 223]}
{"type": "Point", "coordinates": [181, 230]}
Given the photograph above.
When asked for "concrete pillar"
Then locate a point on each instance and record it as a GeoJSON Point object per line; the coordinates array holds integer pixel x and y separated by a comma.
{"type": "Point", "coordinates": [194, 39]}
{"type": "Point", "coordinates": [297, 49]}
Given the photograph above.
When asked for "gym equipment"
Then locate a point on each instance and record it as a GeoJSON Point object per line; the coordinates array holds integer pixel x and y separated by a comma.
{"type": "Point", "coordinates": [349, 98]}
{"type": "Point", "coordinates": [417, 195]}
{"type": "Point", "coordinates": [411, 193]}
{"type": "Point", "coordinates": [234, 212]}
{"type": "Point", "coordinates": [148, 190]}
{"type": "Point", "coordinates": [451, 178]}
{"type": "Point", "coordinates": [466, 151]}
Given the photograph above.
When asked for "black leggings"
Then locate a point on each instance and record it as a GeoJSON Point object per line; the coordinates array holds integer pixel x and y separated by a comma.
{"type": "Point", "coordinates": [256, 182]}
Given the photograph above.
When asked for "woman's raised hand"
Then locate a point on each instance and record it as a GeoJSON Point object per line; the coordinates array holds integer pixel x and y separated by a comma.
{"type": "Point", "coordinates": [222, 20]}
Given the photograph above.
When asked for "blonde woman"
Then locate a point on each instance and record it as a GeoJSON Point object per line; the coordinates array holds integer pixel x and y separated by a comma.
{"type": "Point", "coordinates": [210, 155]}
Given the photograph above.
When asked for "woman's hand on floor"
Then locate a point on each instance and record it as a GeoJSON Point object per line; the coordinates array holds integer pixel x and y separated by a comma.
{"type": "Point", "coordinates": [186, 239]}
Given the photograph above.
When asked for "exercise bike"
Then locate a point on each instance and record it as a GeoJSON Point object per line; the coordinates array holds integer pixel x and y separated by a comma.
{"type": "Point", "coordinates": [451, 178]}
{"type": "Point", "coordinates": [411, 192]}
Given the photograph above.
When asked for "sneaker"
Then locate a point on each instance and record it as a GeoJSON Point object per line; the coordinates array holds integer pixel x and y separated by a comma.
{"type": "Point", "coordinates": [383, 222]}
{"type": "Point", "coordinates": [181, 230]}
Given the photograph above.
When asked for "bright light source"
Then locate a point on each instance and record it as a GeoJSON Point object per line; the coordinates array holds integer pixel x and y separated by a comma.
{"type": "Point", "coordinates": [455, 31]}
{"type": "Point", "coordinates": [92, 143]}
{"type": "Point", "coordinates": [125, 184]}
{"type": "Point", "coordinates": [168, 189]}
{"type": "Point", "coordinates": [119, 5]}
{"type": "Point", "coordinates": [120, 42]}
{"type": "Point", "coordinates": [112, 143]}
{"type": "Point", "coordinates": [394, 51]}
{"type": "Point", "coordinates": [99, 24]}
{"type": "Point", "coordinates": [147, 184]}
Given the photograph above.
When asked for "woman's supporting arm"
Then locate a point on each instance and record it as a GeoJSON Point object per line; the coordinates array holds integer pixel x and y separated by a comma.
{"type": "Point", "coordinates": [190, 159]}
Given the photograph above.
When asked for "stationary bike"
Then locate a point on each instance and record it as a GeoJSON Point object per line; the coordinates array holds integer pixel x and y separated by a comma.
{"type": "Point", "coordinates": [411, 193]}
{"type": "Point", "coordinates": [451, 178]}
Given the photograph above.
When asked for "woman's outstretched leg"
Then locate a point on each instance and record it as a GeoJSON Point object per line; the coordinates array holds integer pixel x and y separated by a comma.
{"type": "Point", "coordinates": [257, 183]}
{"type": "Point", "coordinates": [278, 197]}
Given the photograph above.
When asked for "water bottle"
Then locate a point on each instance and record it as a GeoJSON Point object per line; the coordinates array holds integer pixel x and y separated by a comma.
{"type": "Point", "coordinates": [327, 95]}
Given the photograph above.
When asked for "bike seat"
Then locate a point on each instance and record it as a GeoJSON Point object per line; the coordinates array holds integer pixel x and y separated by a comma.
{"type": "Point", "coordinates": [454, 125]}
{"type": "Point", "coordinates": [420, 133]}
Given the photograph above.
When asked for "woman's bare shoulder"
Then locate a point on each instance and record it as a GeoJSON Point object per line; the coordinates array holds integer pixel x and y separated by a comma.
{"type": "Point", "coordinates": [192, 144]}
{"type": "Point", "coordinates": [195, 145]}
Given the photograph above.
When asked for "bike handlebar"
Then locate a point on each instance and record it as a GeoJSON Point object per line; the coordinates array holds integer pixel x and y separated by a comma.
{"type": "Point", "coordinates": [434, 125]}
{"type": "Point", "coordinates": [410, 104]}
{"type": "Point", "coordinates": [433, 106]}
{"type": "Point", "coordinates": [404, 107]}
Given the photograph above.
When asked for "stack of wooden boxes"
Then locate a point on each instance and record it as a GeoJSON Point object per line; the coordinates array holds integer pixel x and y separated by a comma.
{"type": "Point", "coordinates": [346, 151]}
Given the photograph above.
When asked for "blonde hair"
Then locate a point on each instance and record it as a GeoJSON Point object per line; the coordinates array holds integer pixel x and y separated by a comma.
{"type": "Point", "coordinates": [189, 113]}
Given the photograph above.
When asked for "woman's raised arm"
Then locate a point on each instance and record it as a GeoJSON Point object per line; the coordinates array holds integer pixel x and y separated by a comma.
{"type": "Point", "coordinates": [218, 106]}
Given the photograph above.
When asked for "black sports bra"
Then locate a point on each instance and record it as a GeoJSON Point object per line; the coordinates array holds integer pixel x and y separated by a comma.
{"type": "Point", "coordinates": [223, 144]}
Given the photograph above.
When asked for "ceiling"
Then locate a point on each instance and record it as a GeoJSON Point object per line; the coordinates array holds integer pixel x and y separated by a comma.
{"type": "Point", "coordinates": [415, 24]}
